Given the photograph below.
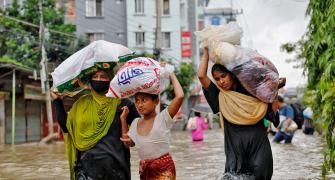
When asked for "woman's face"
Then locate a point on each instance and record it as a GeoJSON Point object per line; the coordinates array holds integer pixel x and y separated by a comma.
{"type": "Point", "coordinates": [100, 76]}
{"type": "Point", "coordinates": [223, 80]}
{"type": "Point", "coordinates": [145, 104]}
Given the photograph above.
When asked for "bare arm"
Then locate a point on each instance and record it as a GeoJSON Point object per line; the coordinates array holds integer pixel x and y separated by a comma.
{"type": "Point", "coordinates": [124, 128]}
{"type": "Point", "coordinates": [202, 71]}
{"type": "Point", "coordinates": [179, 96]}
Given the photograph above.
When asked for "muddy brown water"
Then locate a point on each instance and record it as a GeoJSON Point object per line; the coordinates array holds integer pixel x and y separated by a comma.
{"type": "Point", "coordinates": [194, 160]}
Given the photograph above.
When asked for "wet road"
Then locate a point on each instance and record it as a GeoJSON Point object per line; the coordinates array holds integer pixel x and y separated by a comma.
{"type": "Point", "coordinates": [194, 160]}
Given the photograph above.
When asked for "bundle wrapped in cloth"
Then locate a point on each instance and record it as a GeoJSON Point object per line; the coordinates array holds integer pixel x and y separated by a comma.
{"type": "Point", "coordinates": [137, 75]}
{"type": "Point", "coordinates": [72, 75]}
{"type": "Point", "coordinates": [256, 73]}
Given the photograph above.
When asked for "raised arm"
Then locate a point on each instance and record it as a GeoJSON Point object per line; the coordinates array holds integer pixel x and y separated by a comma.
{"type": "Point", "coordinates": [202, 71]}
{"type": "Point", "coordinates": [179, 96]}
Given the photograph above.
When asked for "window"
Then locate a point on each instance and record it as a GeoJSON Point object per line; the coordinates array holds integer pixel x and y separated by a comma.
{"type": "Point", "coordinates": [120, 34]}
{"type": "Point", "coordinates": [166, 40]}
{"type": "Point", "coordinates": [200, 3]}
{"type": "Point", "coordinates": [95, 36]}
{"type": "Point", "coordinates": [182, 11]}
{"type": "Point", "coordinates": [140, 38]}
{"type": "Point", "coordinates": [139, 6]}
{"type": "Point", "coordinates": [166, 7]}
{"type": "Point", "coordinates": [94, 8]}
{"type": "Point", "coordinates": [216, 21]}
{"type": "Point", "coordinates": [118, 1]}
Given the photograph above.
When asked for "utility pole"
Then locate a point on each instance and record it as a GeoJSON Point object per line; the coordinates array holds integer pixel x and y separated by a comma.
{"type": "Point", "coordinates": [158, 40]}
{"type": "Point", "coordinates": [44, 70]}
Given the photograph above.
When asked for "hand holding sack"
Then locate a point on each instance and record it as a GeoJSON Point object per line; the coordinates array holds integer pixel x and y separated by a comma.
{"type": "Point", "coordinates": [137, 75]}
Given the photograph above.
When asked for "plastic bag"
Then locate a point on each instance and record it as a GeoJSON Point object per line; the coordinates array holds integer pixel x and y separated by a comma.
{"type": "Point", "coordinates": [308, 113]}
{"type": "Point", "coordinates": [256, 73]}
{"type": "Point", "coordinates": [192, 123]}
{"type": "Point", "coordinates": [137, 75]}
{"type": "Point", "coordinates": [166, 70]}
{"type": "Point", "coordinates": [283, 124]}
{"type": "Point", "coordinates": [226, 54]}
{"type": "Point", "coordinates": [231, 33]}
{"type": "Point", "coordinates": [72, 75]}
{"type": "Point", "coordinates": [258, 76]}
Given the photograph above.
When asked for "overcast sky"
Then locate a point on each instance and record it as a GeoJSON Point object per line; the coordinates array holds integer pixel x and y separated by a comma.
{"type": "Point", "coordinates": [268, 24]}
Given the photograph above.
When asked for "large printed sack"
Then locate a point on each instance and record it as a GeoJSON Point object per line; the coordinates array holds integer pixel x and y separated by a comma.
{"type": "Point", "coordinates": [137, 75]}
{"type": "Point", "coordinates": [72, 75]}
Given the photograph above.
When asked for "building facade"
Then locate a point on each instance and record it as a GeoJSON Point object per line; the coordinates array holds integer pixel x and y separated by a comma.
{"type": "Point", "coordinates": [219, 12]}
{"type": "Point", "coordinates": [102, 19]}
{"type": "Point", "coordinates": [195, 20]}
{"type": "Point", "coordinates": [141, 27]}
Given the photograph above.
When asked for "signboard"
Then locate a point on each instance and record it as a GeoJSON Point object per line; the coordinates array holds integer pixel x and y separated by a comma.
{"type": "Point", "coordinates": [33, 92]}
{"type": "Point", "coordinates": [186, 47]}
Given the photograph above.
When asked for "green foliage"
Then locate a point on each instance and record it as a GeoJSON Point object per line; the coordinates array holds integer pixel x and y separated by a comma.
{"type": "Point", "coordinates": [21, 42]}
{"type": "Point", "coordinates": [317, 52]}
{"type": "Point", "coordinates": [185, 73]}
{"type": "Point", "coordinates": [290, 48]}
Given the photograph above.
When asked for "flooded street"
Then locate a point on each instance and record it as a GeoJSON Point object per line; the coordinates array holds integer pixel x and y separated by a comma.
{"type": "Point", "coordinates": [194, 160]}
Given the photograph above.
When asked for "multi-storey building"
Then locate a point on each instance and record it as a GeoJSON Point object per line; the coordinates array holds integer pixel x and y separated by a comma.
{"type": "Point", "coordinates": [141, 27]}
{"type": "Point", "coordinates": [102, 19]}
{"type": "Point", "coordinates": [219, 12]}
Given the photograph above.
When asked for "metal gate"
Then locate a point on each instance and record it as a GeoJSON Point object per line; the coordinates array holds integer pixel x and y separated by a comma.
{"type": "Point", "coordinates": [33, 121]}
{"type": "Point", "coordinates": [27, 121]}
{"type": "Point", "coordinates": [20, 121]}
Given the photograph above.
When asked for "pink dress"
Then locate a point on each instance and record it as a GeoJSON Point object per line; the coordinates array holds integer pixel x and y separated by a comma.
{"type": "Point", "coordinates": [198, 134]}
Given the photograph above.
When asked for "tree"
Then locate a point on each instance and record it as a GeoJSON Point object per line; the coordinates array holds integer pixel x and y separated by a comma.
{"type": "Point", "coordinates": [20, 40]}
{"type": "Point", "coordinates": [317, 52]}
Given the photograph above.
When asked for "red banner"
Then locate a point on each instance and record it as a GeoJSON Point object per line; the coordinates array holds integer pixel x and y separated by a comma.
{"type": "Point", "coordinates": [186, 47]}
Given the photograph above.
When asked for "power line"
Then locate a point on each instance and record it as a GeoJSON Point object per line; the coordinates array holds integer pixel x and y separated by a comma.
{"type": "Point", "coordinates": [111, 26]}
{"type": "Point", "coordinates": [35, 26]}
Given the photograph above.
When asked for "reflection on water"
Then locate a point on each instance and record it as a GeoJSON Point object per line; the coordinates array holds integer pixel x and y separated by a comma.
{"type": "Point", "coordinates": [194, 160]}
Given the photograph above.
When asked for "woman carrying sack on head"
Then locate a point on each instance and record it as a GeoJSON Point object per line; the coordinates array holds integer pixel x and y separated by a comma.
{"type": "Point", "coordinates": [247, 148]}
{"type": "Point", "coordinates": [92, 130]}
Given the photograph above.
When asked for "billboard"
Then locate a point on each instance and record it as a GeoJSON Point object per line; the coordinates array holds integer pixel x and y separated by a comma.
{"type": "Point", "coordinates": [186, 47]}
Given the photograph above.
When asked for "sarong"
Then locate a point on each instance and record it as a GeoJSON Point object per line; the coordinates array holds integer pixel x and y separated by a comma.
{"type": "Point", "coordinates": [158, 169]}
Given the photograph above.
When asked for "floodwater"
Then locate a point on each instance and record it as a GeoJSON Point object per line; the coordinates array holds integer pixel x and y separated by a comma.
{"type": "Point", "coordinates": [194, 160]}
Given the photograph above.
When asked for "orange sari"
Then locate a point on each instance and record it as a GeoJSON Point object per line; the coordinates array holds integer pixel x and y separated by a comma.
{"type": "Point", "coordinates": [160, 168]}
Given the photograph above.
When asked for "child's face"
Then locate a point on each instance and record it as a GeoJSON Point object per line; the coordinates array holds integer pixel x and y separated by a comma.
{"type": "Point", "coordinates": [145, 104]}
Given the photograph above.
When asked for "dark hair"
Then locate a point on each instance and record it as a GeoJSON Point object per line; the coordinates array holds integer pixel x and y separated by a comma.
{"type": "Point", "coordinates": [197, 114]}
{"type": "Point", "coordinates": [220, 68]}
{"type": "Point", "coordinates": [280, 99]}
{"type": "Point", "coordinates": [152, 96]}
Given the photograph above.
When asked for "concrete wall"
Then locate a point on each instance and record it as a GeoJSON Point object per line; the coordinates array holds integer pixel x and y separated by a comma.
{"type": "Point", "coordinates": [112, 23]}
